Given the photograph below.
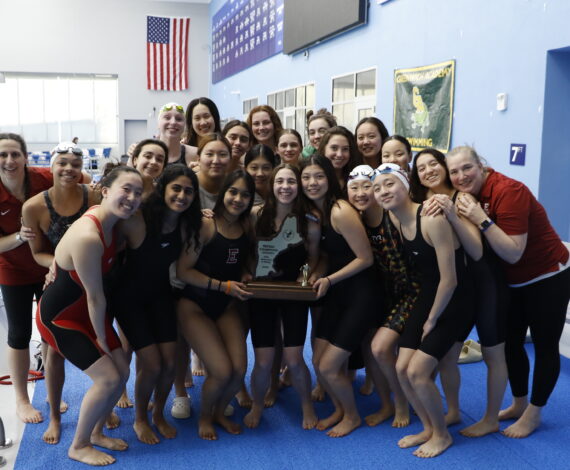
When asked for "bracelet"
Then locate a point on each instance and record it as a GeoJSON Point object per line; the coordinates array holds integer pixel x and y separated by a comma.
{"type": "Point", "coordinates": [209, 283]}
{"type": "Point", "coordinates": [330, 283]}
{"type": "Point", "coordinates": [19, 237]}
{"type": "Point", "coordinates": [219, 285]}
{"type": "Point", "coordinates": [229, 287]}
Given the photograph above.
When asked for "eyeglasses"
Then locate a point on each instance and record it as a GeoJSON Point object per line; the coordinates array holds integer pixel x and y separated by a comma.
{"type": "Point", "coordinates": [66, 148]}
{"type": "Point", "coordinates": [170, 107]}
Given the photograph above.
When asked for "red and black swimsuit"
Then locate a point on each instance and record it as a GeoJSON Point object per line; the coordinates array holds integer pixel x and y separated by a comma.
{"type": "Point", "coordinates": [63, 316]}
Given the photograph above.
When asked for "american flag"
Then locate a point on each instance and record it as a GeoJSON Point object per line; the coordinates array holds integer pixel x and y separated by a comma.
{"type": "Point", "coordinates": [167, 53]}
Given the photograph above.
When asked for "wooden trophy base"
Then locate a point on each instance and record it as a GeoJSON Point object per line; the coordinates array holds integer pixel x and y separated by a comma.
{"type": "Point", "coordinates": [281, 290]}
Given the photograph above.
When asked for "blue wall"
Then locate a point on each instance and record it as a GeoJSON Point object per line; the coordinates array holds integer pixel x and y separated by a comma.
{"type": "Point", "coordinates": [499, 46]}
{"type": "Point", "coordinates": [555, 162]}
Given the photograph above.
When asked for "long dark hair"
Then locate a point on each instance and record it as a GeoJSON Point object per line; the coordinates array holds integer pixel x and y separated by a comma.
{"type": "Point", "coordinates": [154, 210]}
{"type": "Point", "coordinates": [417, 190]}
{"type": "Point", "coordinates": [333, 193]}
{"type": "Point", "coordinates": [219, 207]}
{"type": "Point", "coordinates": [190, 136]}
{"type": "Point", "coordinates": [265, 221]}
{"type": "Point", "coordinates": [355, 158]}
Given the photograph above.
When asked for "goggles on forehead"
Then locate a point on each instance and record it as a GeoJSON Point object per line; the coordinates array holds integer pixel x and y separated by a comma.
{"type": "Point", "coordinates": [68, 148]}
{"type": "Point", "coordinates": [392, 169]}
{"type": "Point", "coordinates": [172, 106]}
{"type": "Point", "coordinates": [360, 173]}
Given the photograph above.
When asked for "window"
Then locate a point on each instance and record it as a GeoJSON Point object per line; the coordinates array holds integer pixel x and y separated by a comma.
{"type": "Point", "coordinates": [248, 105]}
{"type": "Point", "coordinates": [292, 106]}
{"type": "Point", "coordinates": [53, 108]}
{"type": "Point", "coordinates": [354, 97]}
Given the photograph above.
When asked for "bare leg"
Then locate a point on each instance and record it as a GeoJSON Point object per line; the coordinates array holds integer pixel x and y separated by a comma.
{"type": "Point", "coordinates": [182, 361]}
{"type": "Point", "coordinates": [203, 334]}
{"type": "Point", "coordinates": [55, 376]}
{"type": "Point", "coordinates": [109, 377]}
{"type": "Point", "coordinates": [318, 393]}
{"type": "Point", "coordinates": [301, 380]}
{"type": "Point", "coordinates": [124, 401]}
{"type": "Point", "coordinates": [450, 382]}
{"type": "Point", "coordinates": [516, 410]}
{"type": "Point", "coordinates": [162, 389]}
{"type": "Point", "coordinates": [404, 358]}
{"type": "Point", "coordinates": [197, 365]}
{"type": "Point", "coordinates": [381, 385]}
{"type": "Point", "coordinates": [271, 395]}
{"type": "Point", "coordinates": [260, 378]}
{"type": "Point", "coordinates": [243, 397]}
{"type": "Point", "coordinates": [383, 347]}
{"type": "Point", "coordinates": [231, 331]}
{"type": "Point", "coordinates": [497, 379]}
{"type": "Point", "coordinates": [19, 360]}
{"type": "Point", "coordinates": [148, 370]}
{"type": "Point", "coordinates": [420, 371]}
{"type": "Point", "coordinates": [330, 369]}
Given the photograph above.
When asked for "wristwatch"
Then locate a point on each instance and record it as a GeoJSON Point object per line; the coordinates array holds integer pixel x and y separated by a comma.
{"type": "Point", "coordinates": [19, 238]}
{"type": "Point", "coordinates": [483, 226]}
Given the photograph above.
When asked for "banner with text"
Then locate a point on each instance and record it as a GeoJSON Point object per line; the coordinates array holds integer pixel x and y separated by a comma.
{"type": "Point", "coordinates": [423, 105]}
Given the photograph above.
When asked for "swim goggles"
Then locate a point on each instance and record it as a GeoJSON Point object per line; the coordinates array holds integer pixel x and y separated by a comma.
{"type": "Point", "coordinates": [67, 148]}
{"type": "Point", "coordinates": [171, 106]}
{"type": "Point", "coordinates": [392, 169]}
{"type": "Point", "coordinates": [361, 172]}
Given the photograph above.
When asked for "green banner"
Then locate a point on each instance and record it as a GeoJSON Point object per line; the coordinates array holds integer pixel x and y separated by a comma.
{"type": "Point", "coordinates": [423, 105]}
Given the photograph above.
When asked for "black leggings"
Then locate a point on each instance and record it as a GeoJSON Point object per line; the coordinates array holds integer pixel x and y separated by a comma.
{"type": "Point", "coordinates": [542, 307]}
{"type": "Point", "coordinates": [18, 301]}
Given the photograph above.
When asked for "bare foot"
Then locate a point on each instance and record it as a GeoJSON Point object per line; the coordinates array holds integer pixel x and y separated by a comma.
{"type": "Point", "coordinates": [270, 397]}
{"type": "Point", "coordinates": [111, 443]}
{"type": "Point", "coordinates": [515, 411]}
{"type": "Point", "coordinates": [414, 440]}
{"type": "Point", "coordinates": [28, 414]}
{"type": "Point", "coordinates": [310, 418]}
{"type": "Point", "coordinates": [164, 427]}
{"type": "Point", "coordinates": [113, 421]}
{"type": "Point", "coordinates": [346, 426]}
{"type": "Point", "coordinates": [244, 399]}
{"type": "Point", "coordinates": [53, 432]}
{"type": "Point", "coordinates": [330, 421]}
{"type": "Point", "coordinates": [452, 417]}
{"type": "Point", "coordinates": [206, 429]}
{"type": "Point", "coordinates": [434, 447]}
{"type": "Point", "coordinates": [188, 379]}
{"type": "Point", "coordinates": [229, 425]}
{"type": "Point", "coordinates": [402, 416]}
{"type": "Point", "coordinates": [124, 401]}
{"type": "Point", "coordinates": [144, 433]}
{"type": "Point", "coordinates": [318, 393]}
{"type": "Point", "coordinates": [481, 428]}
{"type": "Point", "coordinates": [63, 406]}
{"type": "Point", "coordinates": [526, 424]}
{"type": "Point", "coordinates": [251, 420]}
{"type": "Point", "coordinates": [90, 456]}
{"type": "Point", "coordinates": [285, 378]}
{"type": "Point", "coordinates": [382, 415]}
{"type": "Point", "coordinates": [367, 387]}
{"type": "Point", "coordinates": [197, 366]}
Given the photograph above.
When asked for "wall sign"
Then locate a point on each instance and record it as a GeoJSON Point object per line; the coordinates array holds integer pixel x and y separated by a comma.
{"type": "Point", "coordinates": [245, 32]}
{"type": "Point", "coordinates": [423, 105]}
{"type": "Point", "coordinates": [517, 154]}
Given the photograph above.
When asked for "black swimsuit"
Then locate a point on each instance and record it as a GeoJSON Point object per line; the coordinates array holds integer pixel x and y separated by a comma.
{"type": "Point", "coordinates": [182, 158]}
{"type": "Point", "coordinates": [457, 315]}
{"type": "Point", "coordinates": [59, 224]}
{"type": "Point", "coordinates": [223, 259]}
{"type": "Point", "coordinates": [350, 306]}
{"type": "Point", "coordinates": [144, 304]}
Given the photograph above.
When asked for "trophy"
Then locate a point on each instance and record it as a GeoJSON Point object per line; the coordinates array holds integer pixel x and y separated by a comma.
{"type": "Point", "coordinates": [267, 251]}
